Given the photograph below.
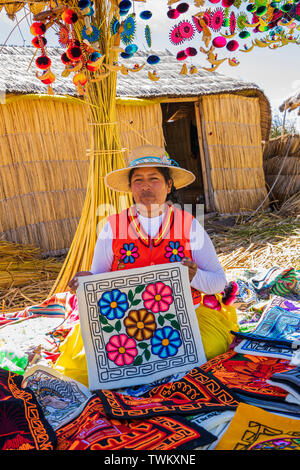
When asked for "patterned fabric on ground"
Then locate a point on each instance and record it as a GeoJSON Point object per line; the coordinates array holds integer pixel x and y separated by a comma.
{"type": "Point", "coordinates": [196, 392]}
{"type": "Point", "coordinates": [289, 381]}
{"type": "Point", "coordinates": [255, 429]}
{"type": "Point", "coordinates": [248, 374]}
{"type": "Point", "coordinates": [60, 397]}
{"type": "Point", "coordinates": [23, 425]}
{"type": "Point", "coordinates": [92, 430]}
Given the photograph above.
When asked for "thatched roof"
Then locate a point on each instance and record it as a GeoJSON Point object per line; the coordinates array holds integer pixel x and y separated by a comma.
{"type": "Point", "coordinates": [16, 78]}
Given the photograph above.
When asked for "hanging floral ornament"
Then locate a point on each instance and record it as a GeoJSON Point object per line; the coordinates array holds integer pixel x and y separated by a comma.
{"type": "Point", "coordinates": [128, 30]}
{"type": "Point", "coordinates": [175, 36]}
{"type": "Point", "coordinates": [232, 23]}
{"type": "Point", "coordinates": [64, 36]}
{"type": "Point", "coordinates": [148, 36]}
{"type": "Point", "coordinates": [217, 19]}
{"type": "Point", "coordinates": [241, 21]}
{"type": "Point", "coordinates": [186, 30]}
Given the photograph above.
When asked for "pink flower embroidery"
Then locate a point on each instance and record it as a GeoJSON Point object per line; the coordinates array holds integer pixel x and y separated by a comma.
{"type": "Point", "coordinates": [121, 350]}
{"type": "Point", "coordinates": [157, 297]}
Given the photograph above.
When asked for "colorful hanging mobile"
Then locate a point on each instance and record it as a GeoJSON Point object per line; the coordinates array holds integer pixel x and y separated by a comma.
{"type": "Point", "coordinates": [219, 29]}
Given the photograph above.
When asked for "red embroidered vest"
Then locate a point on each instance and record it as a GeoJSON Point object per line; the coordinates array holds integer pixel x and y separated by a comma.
{"type": "Point", "coordinates": [134, 248]}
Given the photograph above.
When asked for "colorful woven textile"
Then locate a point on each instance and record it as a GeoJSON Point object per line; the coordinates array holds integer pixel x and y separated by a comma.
{"type": "Point", "coordinates": [196, 392]}
{"type": "Point", "coordinates": [138, 325]}
{"type": "Point", "coordinates": [248, 374]}
{"type": "Point", "coordinates": [93, 431]}
{"type": "Point", "coordinates": [23, 425]}
{"type": "Point", "coordinates": [255, 429]}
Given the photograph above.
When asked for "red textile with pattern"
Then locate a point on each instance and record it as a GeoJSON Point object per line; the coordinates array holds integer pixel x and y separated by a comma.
{"type": "Point", "coordinates": [134, 248]}
{"type": "Point", "coordinates": [248, 373]}
{"type": "Point", "coordinates": [22, 423]}
{"type": "Point", "coordinates": [195, 393]}
{"type": "Point", "coordinates": [92, 430]}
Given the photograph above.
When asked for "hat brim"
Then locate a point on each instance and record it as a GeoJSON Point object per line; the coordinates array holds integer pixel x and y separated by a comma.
{"type": "Point", "coordinates": [118, 180]}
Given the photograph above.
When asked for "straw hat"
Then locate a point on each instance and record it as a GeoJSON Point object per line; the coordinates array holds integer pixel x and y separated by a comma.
{"type": "Point", "coordinates": [148, 156]}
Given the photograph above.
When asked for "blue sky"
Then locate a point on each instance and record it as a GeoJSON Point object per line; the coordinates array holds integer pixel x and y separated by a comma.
{"type": "Point", "coordinates": [277, 72]}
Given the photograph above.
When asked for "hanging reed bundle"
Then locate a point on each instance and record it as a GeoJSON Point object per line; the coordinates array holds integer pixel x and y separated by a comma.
{"type": "Point", "coordinates": [105, 155]}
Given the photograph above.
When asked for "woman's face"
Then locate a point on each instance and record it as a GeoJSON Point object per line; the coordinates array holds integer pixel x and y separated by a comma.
{"type": "Point", "coordinates": [149, 188]}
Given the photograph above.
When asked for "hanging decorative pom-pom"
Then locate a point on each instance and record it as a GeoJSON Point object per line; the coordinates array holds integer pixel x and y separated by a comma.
{"type": "Point", "coordinates": [191, 51]}
{"type": "Point", "coordinates": [38, 28]}
{"type": "Point", "coordinates": [173, 13]}
{"type": "Point", "coordinates": [65, 59]}
{"type": "Point", "coordinates": [153, 59]}
{"type": "Point", "coordinates": [146, 15]}
{"type": "Point", "coordinates": [232, 45]}
{"type": "Point", "coordinates": [39, 42]}
{"type": "Point", "coordinates": [43, 62]}
{"type": "Point", "coordinates": [182, 8]}
{"type": "Point", "coordinates": [69, 16]}
{"type": "Point", "coordinates": [94, 62]}
{"type": "Point", "coordinates": [219, 41]}
{"type": "Point", "coordinates": [74, 53]}
{"type": "Point", "coordinates": [181, 55]}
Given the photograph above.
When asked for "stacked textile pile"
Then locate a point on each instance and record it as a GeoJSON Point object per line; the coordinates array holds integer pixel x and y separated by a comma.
{"type": "Point", "coordinates": [247, 398]}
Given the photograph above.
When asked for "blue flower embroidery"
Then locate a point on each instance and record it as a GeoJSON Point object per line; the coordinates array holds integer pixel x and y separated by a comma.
{"type": "Point", "coordinates": [174, 251]}
{"type": "Point", "coordinates": [165, 342]}
{"type": "Point", "coordinates": [113, 304]}
{"type": "Point", "coordinates": [128, 253]}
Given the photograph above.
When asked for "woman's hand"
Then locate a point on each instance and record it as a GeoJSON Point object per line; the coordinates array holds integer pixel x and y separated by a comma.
{"type": "Point", "coordinates": [192, 267]}
{"type": "Point", "coordinates": [73, 284]}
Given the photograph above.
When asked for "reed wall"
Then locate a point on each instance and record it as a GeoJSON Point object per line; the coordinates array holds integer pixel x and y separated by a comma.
{"type": "Point", "coordinates": [282, 166]}
{"type": "Point", "coordinates": [231, 131]}
{"type": "Point", "coordinates": [44, 164]}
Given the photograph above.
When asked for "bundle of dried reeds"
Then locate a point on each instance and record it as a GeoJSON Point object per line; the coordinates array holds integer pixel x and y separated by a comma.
{"type": "Point", "coordinates": [25, 277]}
{"type": "Point", "coordinates": [105, 153]}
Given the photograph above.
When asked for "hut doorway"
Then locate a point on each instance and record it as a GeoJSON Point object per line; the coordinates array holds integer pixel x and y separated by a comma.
{"type": "Point", "coordinates": [182, 144]}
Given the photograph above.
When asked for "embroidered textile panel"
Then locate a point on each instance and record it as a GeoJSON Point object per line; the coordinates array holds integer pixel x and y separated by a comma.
{"type": "Point", "coordinates": [255, 429]}
{"type": "Point", "coordinates": [23, 425]}
{"type": "Point", "coordinates": [92, 430]}
{"type": "Point", "coordinates": [196, 392]}
{"type": "Point", "coordinates": [138, 326]}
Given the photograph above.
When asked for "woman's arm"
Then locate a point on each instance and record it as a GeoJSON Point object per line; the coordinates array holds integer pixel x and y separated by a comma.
{"type": "Point", "coordinates": [210, 277]}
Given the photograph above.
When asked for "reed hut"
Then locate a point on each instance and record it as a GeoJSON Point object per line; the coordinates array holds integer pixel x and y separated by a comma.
{"type": "Point", "coordinates": [211, 124]}
{"type": "Point", "coordinates": [282, 166]}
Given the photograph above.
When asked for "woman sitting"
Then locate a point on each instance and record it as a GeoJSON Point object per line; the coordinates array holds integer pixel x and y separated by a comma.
{"type": "Point", "coordinates": [155, 230]}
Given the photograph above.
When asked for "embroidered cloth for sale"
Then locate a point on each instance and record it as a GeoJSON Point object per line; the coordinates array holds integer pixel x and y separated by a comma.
{"type": "Point", "coordinates": [138, 325]}
{"type": "Point", "coordinates": [22, 423]}
{"type": "Point", "coordinates": [92, 430]}
{"type": "Point", "coordinates": [255, 429]}
{"type": "Point", "coordinates": [197, 392]}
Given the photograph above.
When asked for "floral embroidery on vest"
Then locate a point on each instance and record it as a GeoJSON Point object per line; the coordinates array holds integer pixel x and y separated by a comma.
{"type": "Point", "coordinates": [174, 251]}
{"type": "Point", "coordinates": [129, 252]}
